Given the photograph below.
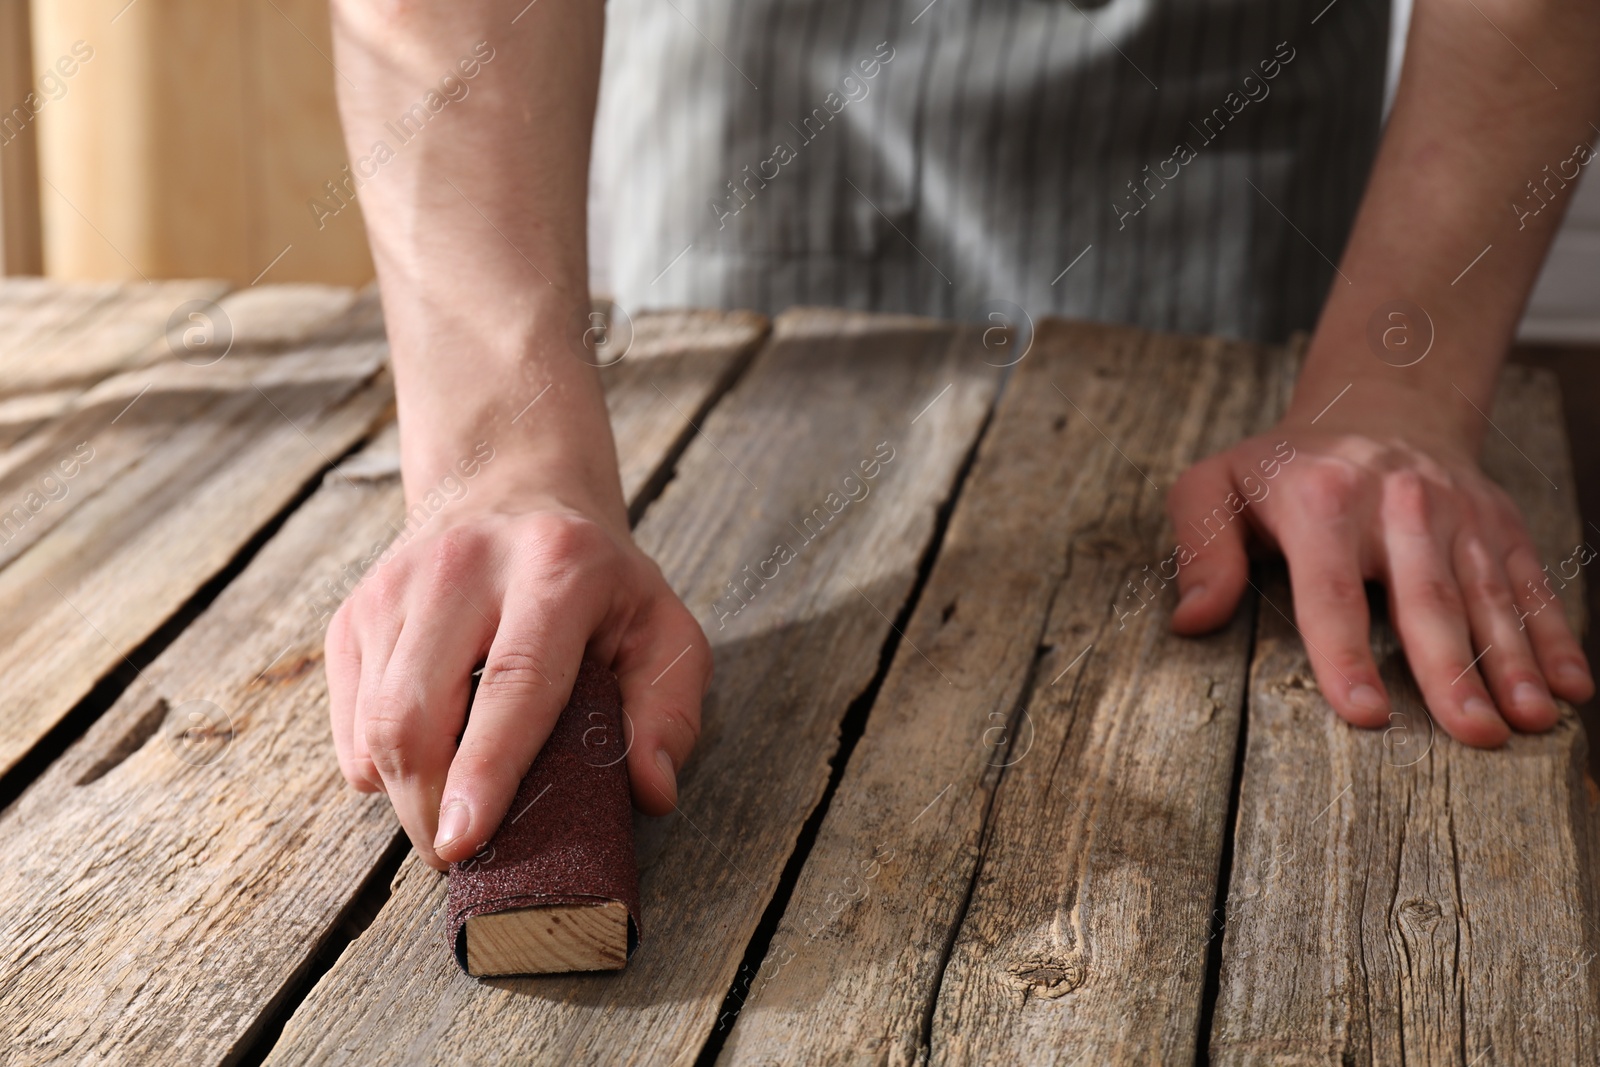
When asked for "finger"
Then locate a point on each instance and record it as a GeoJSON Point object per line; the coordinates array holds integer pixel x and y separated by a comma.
{"type": "Point", "coordinates": [1508, 663]}
{"type": "Point", "coordinates": [1331, 611]}
{"type": "Point", "coordinates": [341, 656]}
{"type": "Point", "coordinates": [425, 702]}
{"type": "Point", "coordinates": [377, 615]}
{"type": "Point", "coordinates": [663, 678]}
{"type": "Point", "coordinates": [1539, 611]}
{"type": "Point", "coordinates": [527, 680]}
{"type": "Point", "coordinates": [1211, 580]}
{"type": "Point", "coordinates": [1430, 616]}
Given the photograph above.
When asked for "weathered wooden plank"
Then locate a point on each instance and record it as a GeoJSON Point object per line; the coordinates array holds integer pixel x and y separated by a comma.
{"type": "Point", "coordinates": [1127, 732]}
{"type": "Point", "coordinates": [60, 339]}
{"type": "Point", "coordinates": [1395, 896]}
{"type": "Point", "coordinates": [175, 874]}
{"type": "Point", "coordinates": [678, 360]}
{"type": "Point", "coordinates": [87, 332]}
{"type": "Point", "coordinates": [267, 321]}
{"type": "Point", "coordinates": [1102, 844]}
{"type": "Point", "coordinates": [830, 392]}
{"type": "Point", "coordinates": [35, 308]}
{"type": "Point", "coordinates": [118, 512]}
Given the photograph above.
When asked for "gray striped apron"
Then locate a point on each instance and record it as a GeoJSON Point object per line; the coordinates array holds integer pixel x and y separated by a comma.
{"type": "Point", "coordinates": [1187, 165]}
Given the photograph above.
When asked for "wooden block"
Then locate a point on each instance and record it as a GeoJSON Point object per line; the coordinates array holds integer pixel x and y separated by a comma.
{"type": "Point", "coordinates": [549, 940]}
{"type": "Point", "coordinates": [564, 850]}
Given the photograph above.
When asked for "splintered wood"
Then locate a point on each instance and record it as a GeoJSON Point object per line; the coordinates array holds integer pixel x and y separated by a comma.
{"type": "Point", "coordinates": [549, 940]}
{"type": "Point", "coordinates": [959, 795]}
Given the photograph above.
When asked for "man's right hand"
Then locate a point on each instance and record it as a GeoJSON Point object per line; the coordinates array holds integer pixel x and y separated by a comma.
{"type": "Point", "coordinates": [525, 592]}
{"type": "Point", "coordinates": [468, 125]}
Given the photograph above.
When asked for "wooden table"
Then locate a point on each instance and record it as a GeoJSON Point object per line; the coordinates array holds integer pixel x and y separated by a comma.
{"type": "Point", "coordinates": [960, 796]}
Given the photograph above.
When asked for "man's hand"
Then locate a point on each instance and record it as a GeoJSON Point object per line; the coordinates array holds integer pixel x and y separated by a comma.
{"type": "Point", "coordinates": [1351, 500]}
{"type": "Point", "coordinates": [524, 593]}
{"type": "Point", "coordinates": [475, 212]}
{"type": "Point", "coordinates": [1384, 483]}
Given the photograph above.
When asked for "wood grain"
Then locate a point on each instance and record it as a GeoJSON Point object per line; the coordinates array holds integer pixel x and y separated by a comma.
{"type": "Point", "coordinates": [1397, 897]}
{"type": "Point", "coordinates": [178, 466]}
{"type": "Point", "coordinates": [179, 866]}
{"type": "Point", "coordinates": [677, 364]}
{"type": "Point", "coordinates": [826, 394]}
{"type": "Point", "coordinates": [550, 940]}
{"type": "Point", "coordinates": [1052, 822]}
{"type": "Point", "coordinates": [76, 335]}
{"type": "Point", "coordinates": [1103, 837]}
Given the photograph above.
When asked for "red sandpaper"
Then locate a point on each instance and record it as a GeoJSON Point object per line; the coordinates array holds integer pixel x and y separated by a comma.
{"type": "Point", "coordinates": [568, 837]}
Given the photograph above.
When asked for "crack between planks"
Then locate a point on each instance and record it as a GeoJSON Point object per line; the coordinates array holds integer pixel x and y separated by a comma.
{"type": "Point", "coordinates": [667, 469]}
{"type": "Point", "coordinates": [254, 1045]}
{"type": "Point", "coordinates": [1024, 698]}
{"type": "Point", "coordinates": [851, 729]}
{"type": "Point", "coordinates": [1211, 988]}
{"type": "Point", "coordinates": [110, 687]}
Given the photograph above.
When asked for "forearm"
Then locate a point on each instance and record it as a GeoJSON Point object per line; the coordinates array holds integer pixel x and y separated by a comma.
{"type": "Point", "coordinates": [476, 217]}
{"type": "Point", "coordinates": [1449, 221]}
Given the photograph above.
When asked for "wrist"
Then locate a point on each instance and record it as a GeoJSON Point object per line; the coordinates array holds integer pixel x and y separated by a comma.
{"type": "Point", "coordinates": [490, 479]}
{"type": "Point", "coordinates": [524, 436]}
{"type": "Point", "coordinates": [1383, 405]}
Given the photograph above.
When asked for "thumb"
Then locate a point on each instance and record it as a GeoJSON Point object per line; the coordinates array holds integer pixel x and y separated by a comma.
{"type": "Point", "coordinates": [1217, 568]}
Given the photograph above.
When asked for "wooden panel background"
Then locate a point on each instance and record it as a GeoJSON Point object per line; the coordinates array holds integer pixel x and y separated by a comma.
{"type": "Point", "coordinates": [20, 250]}
{"type": "Point", "coordinates": [191, 141]}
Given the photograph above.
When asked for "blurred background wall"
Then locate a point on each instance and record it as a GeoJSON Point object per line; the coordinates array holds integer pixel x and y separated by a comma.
{"type": "Point", "coordinates": [188, 138]}
{"type": "Point", "coordinates": [180, 138]}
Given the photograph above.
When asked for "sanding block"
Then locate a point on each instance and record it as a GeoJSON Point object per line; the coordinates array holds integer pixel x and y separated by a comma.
{"type": "Point", "coordinates": [557, 887]}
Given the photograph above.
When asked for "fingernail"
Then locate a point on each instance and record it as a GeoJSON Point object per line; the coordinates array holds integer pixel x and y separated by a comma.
{"type": "Point", "coordinates": [664, 761]}
{"type": "Point", "coordinates": [1194, 592]}
{"type": "Point", "coordinates": [1365, 696]}
{"type": "Point", "coordinates": [1479, 708]}
{"type": "Point", "coordinates": [454, 821]}
{"type": "Point", "coordinates": [1571, 673]}
{"type": "Point", "coordinates": [1530, 696]}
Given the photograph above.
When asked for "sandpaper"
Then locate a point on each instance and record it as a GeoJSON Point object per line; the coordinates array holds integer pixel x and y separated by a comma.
{"type": "Point", "coordinates": [568, 836]}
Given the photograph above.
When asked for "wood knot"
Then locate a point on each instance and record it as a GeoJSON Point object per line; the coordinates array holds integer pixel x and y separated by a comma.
{"type": "Point", "coordinates": [1048, 978]}
{"type": "Point", "coordinates": [287, 670]}
{"type": "Point", "coordinates": [1422, 913]}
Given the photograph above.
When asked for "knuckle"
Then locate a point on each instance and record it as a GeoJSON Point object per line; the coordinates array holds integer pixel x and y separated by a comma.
{"type": "Point", "coordinates": [565, 544]}
{"type": "Point", "coordinates": [680, 724]}
{"type": "Point", "coordinates": [382, 594]}
{"type": "Point", "coordinates": [1486, 589]}
{"type": "Point", "coordinates": [1407, 499]}
{"type": "Point", "coordinates": [1343, 591]}
{"type": "Point", "coordinates": [390, 732]}
{"type": "Point", "coordinates": [338, 638]}
{"type": "Point", "coordinates": [453, 557]}
{"type": "Point", "coordinates": [361, 775]}
{"type": "Point", "coordinates": [1327, 489]}
{"type": "Point", "coordinates": [512, 672]}
{"type": "Point", "coordinates": [1350, 663]}
{"type": "Point", "coordinates": [1437, 594]}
